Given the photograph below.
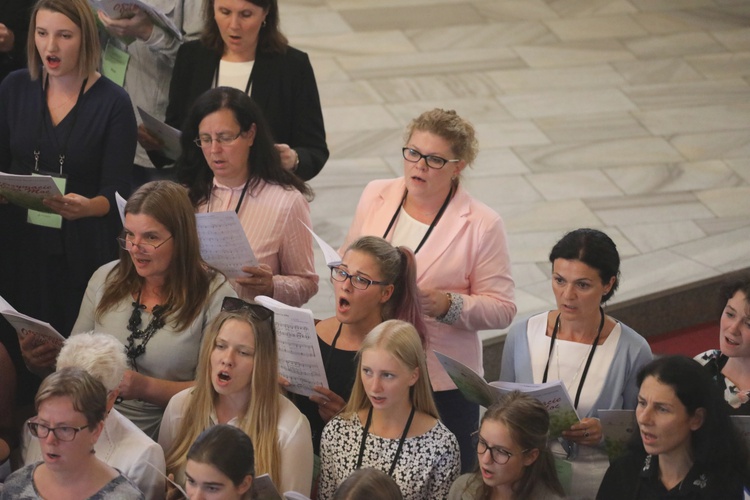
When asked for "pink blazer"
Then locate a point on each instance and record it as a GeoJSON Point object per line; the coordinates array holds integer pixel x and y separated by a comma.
{"type": "Point", "coordinates": [466, 253]}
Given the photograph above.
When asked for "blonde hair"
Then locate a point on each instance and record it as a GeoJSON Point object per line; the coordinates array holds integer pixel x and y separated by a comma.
{"type": "Point", "coordinates": [260, 422]}
{"type": "Point", "coordinates": [101, 355]}
{"type": "Point", "coordinates": [81, 14]}
{"type": "Point", "coordinates": [451, 127]}
{"type": "Point", "coordinates": [400, 339]}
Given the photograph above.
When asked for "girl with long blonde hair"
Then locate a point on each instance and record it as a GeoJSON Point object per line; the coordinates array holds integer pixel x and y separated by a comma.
{"type": "Point", "coordinates": [391, 422]}
{"type": "Point", "coordinates": [236, 383]}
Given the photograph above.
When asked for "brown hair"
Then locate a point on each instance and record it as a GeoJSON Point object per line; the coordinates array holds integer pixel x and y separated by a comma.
{"type": "Point", "coordinates": [82, 16]}
{"type": "Point", "coordinates": [451, 127]}
{"type": "Point", "coordinates": [189, 277]}
{"type": "Point", "coordinates": [87, 394]}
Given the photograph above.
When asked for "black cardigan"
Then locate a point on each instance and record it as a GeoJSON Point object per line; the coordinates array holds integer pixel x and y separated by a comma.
{"type": "Point", "coordinates": [283, 87]}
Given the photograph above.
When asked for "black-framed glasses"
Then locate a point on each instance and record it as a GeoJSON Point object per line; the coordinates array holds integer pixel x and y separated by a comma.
{"type": "Point", "coordinates": [431, 161]}
{"type": "Point", "coordinates": [357, 281]}
{"type": "Point", "coordinates": [205, 141]}
{"type": "Point", "coordinates": [128, 245]}
{"type": "Point", "coordinates": [62, 433]}
{"type": "Point", "coordinates": [499, 455]}
{"type": "Point", "coordinates": [257, 311]}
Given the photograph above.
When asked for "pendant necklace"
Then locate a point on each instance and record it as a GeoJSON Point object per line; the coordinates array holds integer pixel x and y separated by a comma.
{"type": "Point", "coordinates": [157, 321]}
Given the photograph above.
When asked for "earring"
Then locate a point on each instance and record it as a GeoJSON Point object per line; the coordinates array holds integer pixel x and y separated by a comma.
{"type": "Point", "coordinates": [264, 24]}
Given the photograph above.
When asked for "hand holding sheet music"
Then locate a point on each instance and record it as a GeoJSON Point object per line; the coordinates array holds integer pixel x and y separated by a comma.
{"type": "Point", "coordinates": [224, 244]}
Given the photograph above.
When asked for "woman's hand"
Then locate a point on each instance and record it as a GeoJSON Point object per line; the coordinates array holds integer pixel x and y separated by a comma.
{"type": "Point", "coordinates": [587, 432]}
{"type": "Point", "coordinates": [148, 141]}
{"type": "Point", "coordinates": [38, 354]}
{"type": "Point", "coordinates": [259, 280]}
{"type": "Point", "coordinates": [289, 157]}
{"type": "Point", "coordinates": [74, 206]}
{"type": "Point", "coordinates": [131, 385]}
{"type": "Point", "coordinates": [7, 38]}
{"type": "Point", "coordinates": [434, 302]}
{"type": "Point", "coordinates": [139, 25]}
{"type": "Point", "coordinates": [329, 403]}
{"type": "Point", "coordinates": [172, 493]}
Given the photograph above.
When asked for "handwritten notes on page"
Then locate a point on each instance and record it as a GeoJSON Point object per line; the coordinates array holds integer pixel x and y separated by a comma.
{"type": "Point", "coordinates": [300, 361]}
{"type": "Point", "coordinates": [224, 244]}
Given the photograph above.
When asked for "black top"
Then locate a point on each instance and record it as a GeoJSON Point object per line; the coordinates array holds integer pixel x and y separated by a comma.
{"type": "Point", "coordinates": [636, 476]}
{"type": "Point", "coordinates": [284, 88]}
{"type": "Point", "coordinates": [340, 371]}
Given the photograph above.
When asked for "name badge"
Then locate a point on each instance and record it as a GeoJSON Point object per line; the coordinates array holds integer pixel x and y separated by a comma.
{"type": "Point", "coordinates": [46, 219]}
{"type": "Point", "coordinates": [115, 64]}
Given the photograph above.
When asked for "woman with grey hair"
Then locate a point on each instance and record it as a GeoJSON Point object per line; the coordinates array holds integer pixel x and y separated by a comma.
{"type": "Point", "coordinates": [121, 445]}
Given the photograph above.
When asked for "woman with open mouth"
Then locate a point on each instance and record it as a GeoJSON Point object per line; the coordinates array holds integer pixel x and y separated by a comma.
{"type": "Point", "coordinates": [461, 249]}
{"type": "Point", "coordinates": [71, 406]}
{"type": "Point", "coordinates": [242, 47]}
{"type": "Point", "coordinates": [390, 422]}
{"type": "Point", "coordinates": [61, 118]}
{"type": "Point", "coordinates": [375, 282]}
{"type": "Point", "coordinates": [687, 446]}
{"type": "Point", "coordinates": [514, 462]}
{"type": "Point", "coordinates": [730, 364]}
{"type": "Point", "coordinates": [229, 163]}
{"type": "Point", "coordinates": [236, 384]}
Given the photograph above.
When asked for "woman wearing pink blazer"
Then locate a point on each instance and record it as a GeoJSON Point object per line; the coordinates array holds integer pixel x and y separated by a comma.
{"type": "Point", "coordinates": [463, 266]}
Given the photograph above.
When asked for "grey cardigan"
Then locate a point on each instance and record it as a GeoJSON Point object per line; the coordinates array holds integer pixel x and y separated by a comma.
{"type": "Point", "coordinates": [620, 390]}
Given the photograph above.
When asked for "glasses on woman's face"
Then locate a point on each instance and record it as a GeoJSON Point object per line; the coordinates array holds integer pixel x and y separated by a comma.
{"type": "Point", "coordinates": [358, 282]}
{"type": "Point", "coordinates": [205, 140]}
{"type": "Point", "coordinates": [431, 161]}
{"type": "Point", "coordinates": [257, 311]}
{"type": "Point", "coordinates": [128, 244]}
{"type": "Point", "coordinates": [62, 433]}
{"type": "Point", "coordinates": [499, 455]}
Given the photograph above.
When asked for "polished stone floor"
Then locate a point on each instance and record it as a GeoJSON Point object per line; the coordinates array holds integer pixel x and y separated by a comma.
{"type": "Point", "coordinates": [628, 116]}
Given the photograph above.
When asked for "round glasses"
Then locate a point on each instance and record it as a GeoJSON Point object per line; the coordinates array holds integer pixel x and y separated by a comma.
{"type": "Point", "coordinates": [358, 282]}
{"type": "Point", "coordinates": [62, 433]}
{"type": "Point", "coordinates": [128, 245]}
{"type": "Point", "coordinates": [205, 141]}
{"type": "Point", "coordinates": [499, 455]}
{"type": "Point", "coordinates": [431, 161]}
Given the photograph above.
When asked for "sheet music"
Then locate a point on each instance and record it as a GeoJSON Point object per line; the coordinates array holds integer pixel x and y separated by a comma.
{"type": "Point", "coordinates": [121, 202]}
{"type": "Point", "coordinates": [300, 361]}
{"type": "Point", "coordinates": [28, 191]}
{"type": "Point", "coordinates": [224, 244]}
{"type": "Point", "coordinates": [24, 325]}
{"type": "Point", "coordinates": [169, 136]}
{"type": "Point", "coordinates": [331, 255]}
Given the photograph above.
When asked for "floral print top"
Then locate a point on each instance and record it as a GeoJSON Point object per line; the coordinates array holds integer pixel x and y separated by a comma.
{"type": "Point", "coordinates": [713, 360]}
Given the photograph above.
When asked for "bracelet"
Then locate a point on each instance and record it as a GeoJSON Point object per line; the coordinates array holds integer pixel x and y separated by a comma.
{"type": "Point", "coordinates": [454, 311]}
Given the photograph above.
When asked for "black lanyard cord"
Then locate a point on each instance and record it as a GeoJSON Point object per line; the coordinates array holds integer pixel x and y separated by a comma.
{"type": "Point", "coordinates": [239, 203]}
{"type": "Point", "coordinates": [249, 78]}
{"type": "Point", "coordinates": [588, 361]}
{"type": "Point", "coordinates": [43, 125]}
{"type": "Point", "coordinates": [432, 224]}
{"type": "Point", "coordinates": [400, 441]}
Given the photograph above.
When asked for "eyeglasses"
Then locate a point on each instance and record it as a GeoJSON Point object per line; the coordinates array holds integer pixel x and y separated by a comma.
{"type": "Point", "coordinates": [205, 141]}
{"type": "Point", "coordinates": [499, 455]}
{"type": "Point", "coordinates": [63, 433]}
{"type": "Point", "coordinates": [257, 311]}
{"type": "Point", "coordinates": [358, 282]}
{"type": "Point", "coordinates": [128, 245]}
{"type": "Point", "coordinates": [431, 161]}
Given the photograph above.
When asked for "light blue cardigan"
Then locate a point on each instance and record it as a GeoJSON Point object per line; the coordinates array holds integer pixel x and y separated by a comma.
{"type": "Point", "coordinates": [620, 390]}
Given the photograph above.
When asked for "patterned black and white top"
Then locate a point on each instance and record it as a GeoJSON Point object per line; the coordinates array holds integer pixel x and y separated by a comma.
{"type": "Point", "coordinates": [20, 486]}
{"type": "Point", "coordinates": [737, 399]}
{"type": "Point", "coordinates": [426, 468]}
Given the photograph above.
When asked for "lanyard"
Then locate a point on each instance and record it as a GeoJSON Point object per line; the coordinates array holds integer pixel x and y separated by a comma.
{"type": "Point", "coordinates": [242, 197]}
{"type": "Point", "coordinates": [249, 78]}
{"type": "Point", "coordinates": [400, 441]}
{"type": "Point", "coordinates": [588, 361]}
{"type": "Point", "coordinates": [43, 125]}
{"type": "Point", "coordinates": [432, 224]}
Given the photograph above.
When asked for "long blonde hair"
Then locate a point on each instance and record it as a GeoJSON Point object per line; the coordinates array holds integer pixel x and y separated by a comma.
{"type": "Point", "coordinates": [261, 419]}
{"type": "Point", "coordinates": [401, 340]}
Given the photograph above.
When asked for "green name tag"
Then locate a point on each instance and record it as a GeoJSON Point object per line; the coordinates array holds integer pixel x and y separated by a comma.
{"type": "Point", "coordinates": [564, 473]}
{"type": "Point", "coordinates": [46, 219]}
{"type": "Point", "coordinates": [115, 64]}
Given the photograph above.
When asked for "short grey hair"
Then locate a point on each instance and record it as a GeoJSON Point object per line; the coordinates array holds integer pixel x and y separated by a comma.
{"type": "Point", "coordinates": [99, 354]}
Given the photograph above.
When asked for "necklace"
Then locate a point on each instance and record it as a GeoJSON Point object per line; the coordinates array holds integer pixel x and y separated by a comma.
{"type": "Point", "coordinates": [134, 323]}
